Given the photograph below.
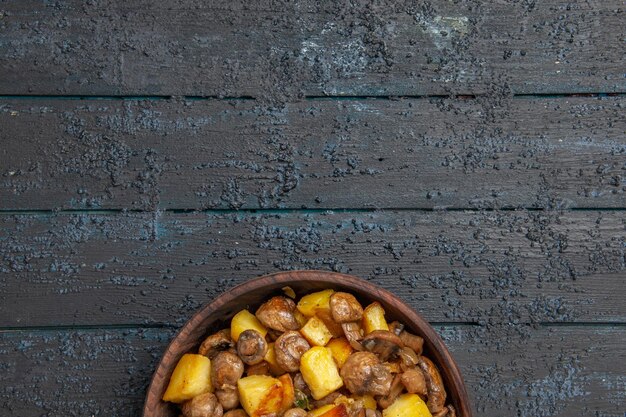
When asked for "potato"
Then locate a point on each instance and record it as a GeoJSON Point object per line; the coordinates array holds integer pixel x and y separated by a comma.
{"type": "Point", "coordinates": [260, 395]}
{"type": "Point", "coordinates": [300, 318]}
{"type": "Point", "coordinates": [325, 315]}
{"type": "Point", "coordinates": [340, 349]}
{"type": "Point", "coordinates": [374, 318]}
{"type": "Point", "coordinates": [191, 377]}
{"type": "Point", "coordinates": [336, 411]}
{"type": "Point", "coordinates": [270, 358]}
{"type": "Point", "coordinates": [243, 321]}
{"type": "Point", "coordinates": [407, 405]}
{"type": "Point", "coordinates": [320, 372]}
{"type": "Point", "coordinates": [321, 410]}
{"type": "Point", "coordinates": [368, 401]}
{"type": "Point", "coordinates": [289, 392]}
{"type": "Point", "coordinates": [316, 332]}
{"type": "Point", "coordinates": [312, 302]}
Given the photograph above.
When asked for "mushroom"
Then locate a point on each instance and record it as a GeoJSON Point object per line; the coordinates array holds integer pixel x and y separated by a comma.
{"type": "Point", "coordinates": [226, 369]}
{"type": "Point", "coordinates": [289, 347]}
{"type": "Point", "coordinates": [414, 382]}
{"type": "Point", "coordinates": [434, 383]}
{"type": "Point", "coordinates": [408, 358]}
{"type": "Point", "coordinates": [236, 413]}
{"type": "Point", "coordinates": [216, 343]}
{"type": "Point", "coordinates": [251, 347]}
{"type": "Point", "coordinates": [203, 405]}
{"type": "Point", "coordinates": [300, 385]}
{"type": "Point", "coordinates": [353, 334]}
{"type": "Point", "coordinates": [372, 413]}
{"type": "Point", "coordinates": [383, 343]}
{"type": "Point", "coordinates": [228, 397]}
{"type": "Point", "coordinates": [295, 412]}
{"type": "Point", "coordinates": [414, 342]}
{"type": "Point", "coordinates": [345, 308]}
{"type": "Point", "coordinates": [278, 313]}
{"type": "Point", "coordinates": [396, 327]}
{"type": "Point", "coordinates": [448, 411]}
{"type": "Point", "coordinates": [395, 390]}
{"type": "Point", "coordinates": [261, 368]}
{"type": "Point", "coordinates": [329, 399]}
{"type": "Point", "coordinates": [363, 373]}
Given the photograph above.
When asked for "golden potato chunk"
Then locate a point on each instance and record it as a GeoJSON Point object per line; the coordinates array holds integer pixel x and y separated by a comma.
{"type": "Point", "coordinates": [336, 411]}
{"type": "Point", "coordinates": [374, 318]}
{"type": "Point", "coordinates": [316, 332]}
{"type": "Point", "coordinates": [407, 405]}
{"type": "Point", "coordinates": [289, 391]}
{"type": "Point", "coordinates": [368, 401]}
{"type": "Point", "coordinates": [260, 395]}
{"type": "Point", "coordinates": [340, 349]}
{"type": "Point", "coordinates": [314, 301]}
{"type": "Point", "coordinates": [270, 358]}
{"type": "Point", "coordinates": [321, 410]}
{"type": "Point", "coordinates": [244, 320]}
{"type": "Point", "coordinates": [191, 377]}
{"type": "Point", "coordinates": [320, 372]}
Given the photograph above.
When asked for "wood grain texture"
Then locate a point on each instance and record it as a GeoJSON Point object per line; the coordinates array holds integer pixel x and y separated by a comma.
{"type": "Point", "coordinates": [526, 372]}
{"type": "Point", "coordinates": [162, 154]}
{"type": "Point", "coordinates": [281, 49]}
{"type": "Point", "coordinates": [490, 267]}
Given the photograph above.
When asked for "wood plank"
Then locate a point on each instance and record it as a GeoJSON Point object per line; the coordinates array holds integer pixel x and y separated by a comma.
{"type": "Point", "coordinates": [483, 267]}
{"type": "Point", "coordinates": [533, 372]}
{"type": "Point", "coordinates": [151, 154]}
{"type": "Point", "coordinates": [281, 49]}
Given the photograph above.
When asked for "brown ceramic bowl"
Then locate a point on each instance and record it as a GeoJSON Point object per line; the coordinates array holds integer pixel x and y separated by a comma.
{"type": "Point", "coordinates": [253, 293]}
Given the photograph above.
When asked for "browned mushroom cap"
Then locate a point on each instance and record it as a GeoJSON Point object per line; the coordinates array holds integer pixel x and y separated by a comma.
{"type": "Point", "coordinates": [434, 383]}
{"type": "Point", "coordinates": [329, 399]}
{"type": "Point", "coordinates": [295, 412]}
{"type": "Point", "coordinates": [414, 342]}
{"type": "Point", "coordinates": [216, 343]}
{"type": "Point", "coordinates": [261, 368]}
{"type": "Point", "coordinates": [345, 308]}
{"type": "Point", "coordinates": [383, 343]}
{"type": "Point", "coordinates": [395, 390]}
{"type": "Point", "coordinates": [236, 413]}
{"type": "Point", "coordinates": [408, 358]}
{"type": "Point", "coordinates": [251, 347]}
{"type": "Point", "coordinates": [278, 313]}
{"type": "Point", "coordinates": [226, 369]}
{"type": "Point", "coordinates": [363, 373]}
{"type": "Point", "coordinates": [203, 405]}
{"type": "Point", "coordinates": [228, 396]}
{"type": "Point", "coordinates": [289, 349]}
{"type": "Point", "coordinates": [353, 334]}
{"type": "Point", "coordinates": [396, 327]}
{"type": "Point", "coordinates": [414, 382]}
{"type": "Point", "coordinates": [300, 385]}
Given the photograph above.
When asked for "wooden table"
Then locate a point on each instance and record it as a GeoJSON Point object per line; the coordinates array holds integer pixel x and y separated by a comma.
{"type": "Point", "coordinates": [469, 156]}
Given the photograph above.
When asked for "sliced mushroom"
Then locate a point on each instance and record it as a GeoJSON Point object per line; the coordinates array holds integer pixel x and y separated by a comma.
{"type": "Point", "coordinates": [345, 308]}
{"type": "Point", "coordinates": [228, 396]}
{"type": "Point", "coordinates": [329, 399]}
{"type": "Point", "coordinates": [278, 313]}
{"type": "Point", "coordinates": [251, 347]}
{"type": "Point", "coordinates": [226, 369]}
{"type": "Point", "coordinates": [383, 343]}
{"type": "Point", "coordinates": [363, 373]}
{"type": "Point", "coordinates": [414, 382]}
{"type": "Point", "coordinates": [395, 390]}
{"type": "Point", "coordinates": [434, 383]}
{"type": "Point", "coordinates": [295, 412]}
{"type": "Point", "coordinates": [236, 413]}
{"type": "Point", "coordinates": [353, 334]}
{"type": "Point", "coordinates": [261, 368]}
{"type": "Point", "coordinates": [408, 358]}
{"type": "Point", "coordinates": [216, 343]}
{"type": "Point", "coordinates": [414, 342]}
{"type": "Point", "coordinates": [289, 349]}
{"type": "Point", "coordinates": [396, 327]}
{"type": "Point", "coordinates": [203, 405]}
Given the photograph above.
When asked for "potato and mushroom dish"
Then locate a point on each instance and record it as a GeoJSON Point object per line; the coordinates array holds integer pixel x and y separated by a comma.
{"type": "Point", "coordinates": [325, 356]}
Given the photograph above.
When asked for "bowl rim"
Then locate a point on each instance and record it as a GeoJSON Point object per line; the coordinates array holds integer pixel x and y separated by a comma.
{"type": "Point", "coordinates": [463, 408]}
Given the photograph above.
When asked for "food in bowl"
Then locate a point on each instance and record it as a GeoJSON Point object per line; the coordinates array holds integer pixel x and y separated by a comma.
{"type": "Point", "coordinates": [324, 356]}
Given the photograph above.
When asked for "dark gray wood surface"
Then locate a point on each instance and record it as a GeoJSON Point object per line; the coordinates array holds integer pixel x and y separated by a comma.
{"type": "Point", "coordinates": [152, 155]}
{"type": "Point", "coordinates": [278, 48]}
{"type": "Point", "coordinates": [427, 153]}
